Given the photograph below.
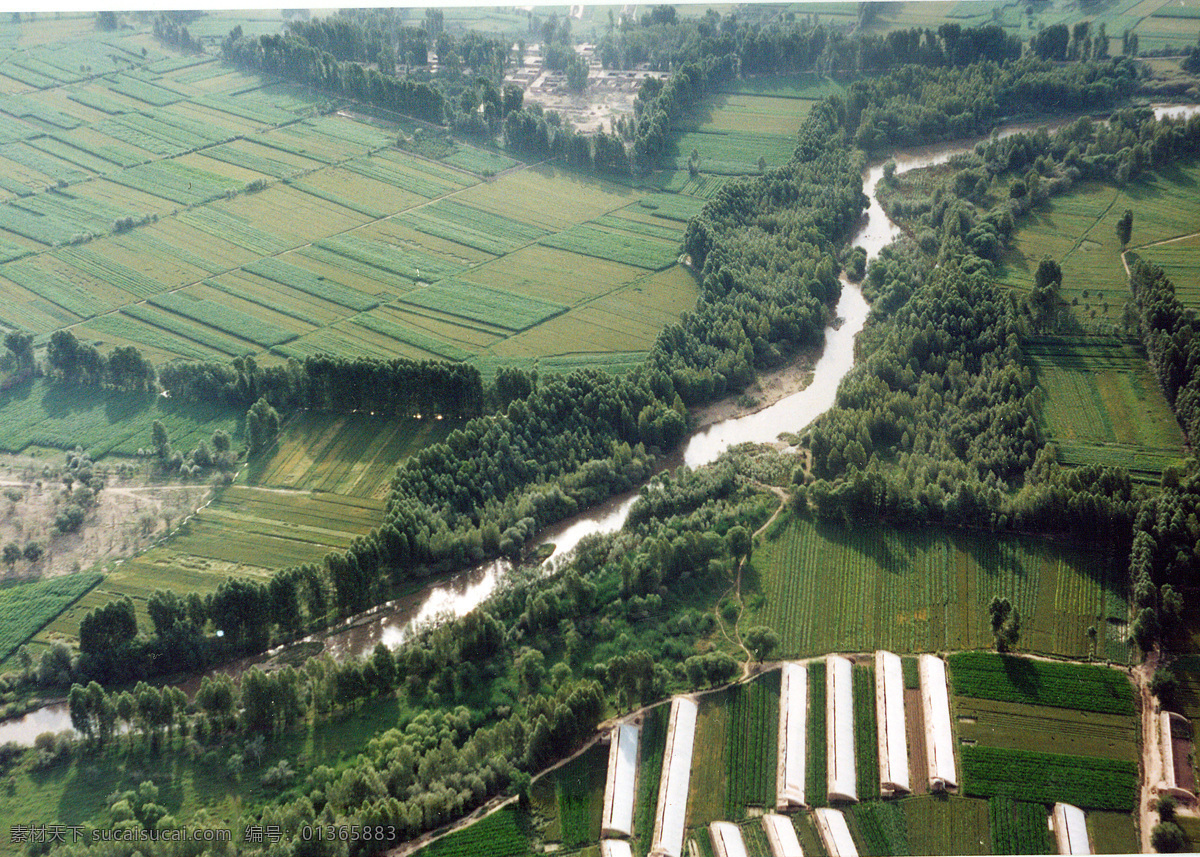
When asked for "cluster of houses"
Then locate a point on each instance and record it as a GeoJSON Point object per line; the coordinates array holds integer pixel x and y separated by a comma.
{"type": "Point", "coordinates": [841, 776]}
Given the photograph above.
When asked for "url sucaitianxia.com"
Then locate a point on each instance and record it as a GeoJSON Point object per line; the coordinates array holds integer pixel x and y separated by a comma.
{"type": "Point", "coordinates": [49, 833]}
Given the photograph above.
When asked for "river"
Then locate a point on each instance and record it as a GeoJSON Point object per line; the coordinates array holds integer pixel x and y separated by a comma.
{"type": "Point", "coordinates": [393, 622]}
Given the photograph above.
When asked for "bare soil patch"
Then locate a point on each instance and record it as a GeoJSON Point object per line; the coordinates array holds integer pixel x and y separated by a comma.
{"type": "Point", "coordinates": [914, 728]}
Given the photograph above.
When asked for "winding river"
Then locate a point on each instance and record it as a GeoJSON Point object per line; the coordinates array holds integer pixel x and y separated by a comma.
{"type": "Point", "coordinates": [393, 622]}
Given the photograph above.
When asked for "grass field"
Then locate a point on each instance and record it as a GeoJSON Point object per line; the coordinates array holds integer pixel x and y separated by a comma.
{"type": "Point", "coordinates": [25, 608]}
{"type": "Point", "coordinates": [946, 824]}
{"type": "Point", "coordinates": [826, 589]}
{"type": "Point", "coordinates": [1102, 405]}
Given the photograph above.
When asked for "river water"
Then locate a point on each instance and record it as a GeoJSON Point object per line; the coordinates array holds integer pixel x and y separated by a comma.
{"type": "Point", "coordinates": [393, 622]}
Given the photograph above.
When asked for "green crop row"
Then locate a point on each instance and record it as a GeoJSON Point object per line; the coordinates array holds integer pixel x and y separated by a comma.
{"type": "Point", "coordinates": [653, 747]}
{"type": "Point", "coordinates": [392, 174]}
{"type": "Point", "coordinates": [815, 773]}
{"type": "Point", "coordinates": [639, 251]}
{"type": "Point", "coordinates": [27, 607]}
{"type": "Point", "coordinates": [73, 154]}
{"type": "Point", "coordinates": [498, 835]}
{"type": "Point", "coordinates": [224, 318]}
{"type": "Point", "coordinates": [866, 742]}
{"type": "Point", "coordinates": [1011, 679]}
{"type": "Point", "coordinates": [221, 224]}
{"type": "Point", "coordinates": [251, 161]}
{"type": "Point", "coordinates": [345, 202]}
{"type": "Point", "coordinates": [502, 309]}
{"type": "Point", "coordinates": [410, 264]}
{"type": "Point", "coordinates": [1084, 781]}
{"type": "Point", "coordinates": [881, 827]}
{"type": "Point", "coordinates": [482, 230]}
{"type": "Point", "coordinates": [1019, 827]}
{"type": "Point", "coordinates": [142, 90]}
{"type": "Point", "coordinates": [46, 284]}
{"type": "Point", "coordinates": [177, 182]}
{"type": "Point", "coordinates": [413, 337]}
{"type": "Point", "coordinates": [113, 273]}
{"type": "Point", "coordinates": [47, 230]}
{"type": "Point", "coordinates": [751, 738]}
{"type": "Point", "coordinates": [98, 101]}
{"type": "Point", "coordinates": [115, 324]}
{"type": "Point", "coordinates": [28, 107]}
{"type": "Point", "coordinates": [244, 108]}
{"type": "Point", "coordinates": [306, 281]}
{"type": "Point", "coordinates": [48, 165]}
{"type": "Point", "coordinates": [639, 227]}
{"type": "Point", "coordinates": [185, 328]}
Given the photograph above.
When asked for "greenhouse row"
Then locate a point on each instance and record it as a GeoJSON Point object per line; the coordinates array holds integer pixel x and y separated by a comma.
{"type": "Point", "coordinates": [781, 836]}
{"type": "Point", "coordinates": [889, 714]}
{"type": "Point", "coordinates": [1070, 829]}
{"type": "Point", "coordinates": [620, 787]}
{"type": "Point", "coordinates": [793, 722]}
{"type": "Point", "coordinates": [939, 736]}
{"type": "Point", "coordinates": [727, 839]}
{"type": "Point", "coordinates": [839, 729]}
{"type": "Point", "coordinates": [835, 833]}
{"type": "Point", "coordinates": [677, 771]}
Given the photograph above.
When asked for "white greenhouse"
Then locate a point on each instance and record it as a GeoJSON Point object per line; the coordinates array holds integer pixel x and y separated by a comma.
{"type": "Point", "coordinates": [781, 836]}
{"type": "Point", "coordinates": [839, 729]}
{"type": "Point", "coordinates": [676, 775]}
{"type": "Point", "coordinates": [1070, 829]}
{"type": "Point", "coordinates": [620, 787]}
{"type": "Point", "coordinates": [793, 721]}
{"type": "Point", "coordinates": [889, 715]}
{"type": "Point", "coordinates": [727, 839]}
{"type": "Point", "coordinates": [615, 848]}
{"type": "Point", "coordinates": [939, 736]}
{"type": "Point", "coordinates": [835, 833]}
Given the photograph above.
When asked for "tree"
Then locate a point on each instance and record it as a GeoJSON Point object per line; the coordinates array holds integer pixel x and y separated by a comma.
{"type": "Point", "coordinates": [20, 344]}
{"type": "Point", "coordinates": [12, 553]}
{"type": "Point", "coordinates": [1006, 624]}
{"type": "Point", "coordinates": [1125, 228]}
{"type": "Point", "coordinates": [761, 641]}
{"type": "Point", "coordinates": [740, 543]}
{"type": "Point", "coordinates": [1167, 837]}
{"type": "Point", "coordinates": [33, 551]}
{"type": "Point", "coordinates": [262, 425]}
{"type": "Point", "coordinates": [1163, 684]}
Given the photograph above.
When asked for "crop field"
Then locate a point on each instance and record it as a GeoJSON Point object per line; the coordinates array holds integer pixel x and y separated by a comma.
{"type": "Point", "coordinates": [25, 608]}
{"type": "Point", "coordinates": [244, 532]}
{"type": "Point", "coordinates": [572, 799]}
{"type": "Point", "coordinates": [501, 834]}
{"type": "Point", "coordinates": [1103, 405]}
{"type": "Point", "coordinates": [651, 748]}
{"type": "Point", "coordinates": [1020, 827]}
{"type": "Point", "coordinates": [712, 766]}
{"type": "Point", "coordinates": [103, 421]}
{"type": "Point", "coordinates": [816, 786]}
{"type": "Point", "coordinates": [1085, 781]}
{"type": "Point", "coordinates": [263, 228]}
{"type": "Point", "coordinates": [879, 826]}
{"type": "Point", "coordinates": [1078, 230]}
{"type": "Point", "coordinates": [353, 455]}
{"type": "Point", "coordinates": [946, 824]}
{"type": "Point", "coordinates": [827, 589]}
{"type": "Point", "coordinates": [866, 742]}
{"type": "Point", "coordinates": [1113, 833]}
{"type": "Point", "coordinates": [1005, 678]}
{"type": "Point", "coordinates": [1046, 729]}
{"type": "Point", "coordinates": [752, 744]}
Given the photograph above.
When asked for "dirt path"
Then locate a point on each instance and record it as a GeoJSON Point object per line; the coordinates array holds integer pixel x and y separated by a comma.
{"type": "Point", "coordinates": [1152, 760]}
{"type": "Point", "coordinates": [748, 666]}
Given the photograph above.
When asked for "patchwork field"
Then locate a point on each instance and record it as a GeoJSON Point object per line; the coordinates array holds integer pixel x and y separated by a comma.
{"type": "Point", "coordinates": [200, 213]}
{"type": "Point", "coordinates": [827, 589]}
{"type": "Point", "coordinates": [1102, 405]}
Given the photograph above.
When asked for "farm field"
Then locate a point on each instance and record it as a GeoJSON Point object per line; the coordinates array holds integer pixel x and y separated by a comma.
{"type": "Point", "coordinates": [244, 532]}
{"type": "Point", "coordinates": [352, 455]}
{"type": "Point", "coordinates": [826, 589]}
{"type": "Point", "coordinates": [571, 799]}
{"type": "Point", "coordinates": [104, 421]}
{"type": "Point", "coordinates": [1102, 405]}
{"type": "Point", "coordinates": [1078, 230]}
{"type": "Point", "coordinates": [312, 232]}
{"type": "Point", "coordinates": [26, 607]}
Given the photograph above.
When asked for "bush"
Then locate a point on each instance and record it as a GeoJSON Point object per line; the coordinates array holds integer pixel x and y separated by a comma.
{"type": "Point", "coordinates": [1167, 837]}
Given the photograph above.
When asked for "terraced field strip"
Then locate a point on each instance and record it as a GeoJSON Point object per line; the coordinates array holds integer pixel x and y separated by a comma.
{"type": "Point", "coordinates": [710, 783]}
{"type": "Point", "coordinates": [752, 744]}
{"type": "Point", "coordinates": [827, 588]}
{"type": "Point", "coordinates": [939, 824]}
{"type": "Point", "coordinates": [489, 306]}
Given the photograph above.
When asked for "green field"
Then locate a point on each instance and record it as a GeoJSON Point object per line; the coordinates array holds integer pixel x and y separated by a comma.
{"type": "Point", "coordinates": [828, 589]}
{"type": "Point", "coordinates": [752, 745]}
{"type": "Point", "coordinates": [501, 834]}
{"type": "Point", "coordinates": [571, 799]}
{"type": "Point", "coordinates": [1085, 781]}
{"type": "Point", "coordinates": [353, 455]}
{"type": "Point", "coordinates": [1102, 405]}
{"type": "Point", "coordinates": [1005, 678]}
{"type": "Point", "coordinates": [1078, 230]}
{"type": "Point", "coordinates": [25, 608]}
{"type": "Point", "coordinates": [260, 227]}
{"type": "Point", "coordinates": [244, 532]}
{"type": "Point", "coordinates": [946, 824]}
{"type": "Point", "coordinates": [103, 421]}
